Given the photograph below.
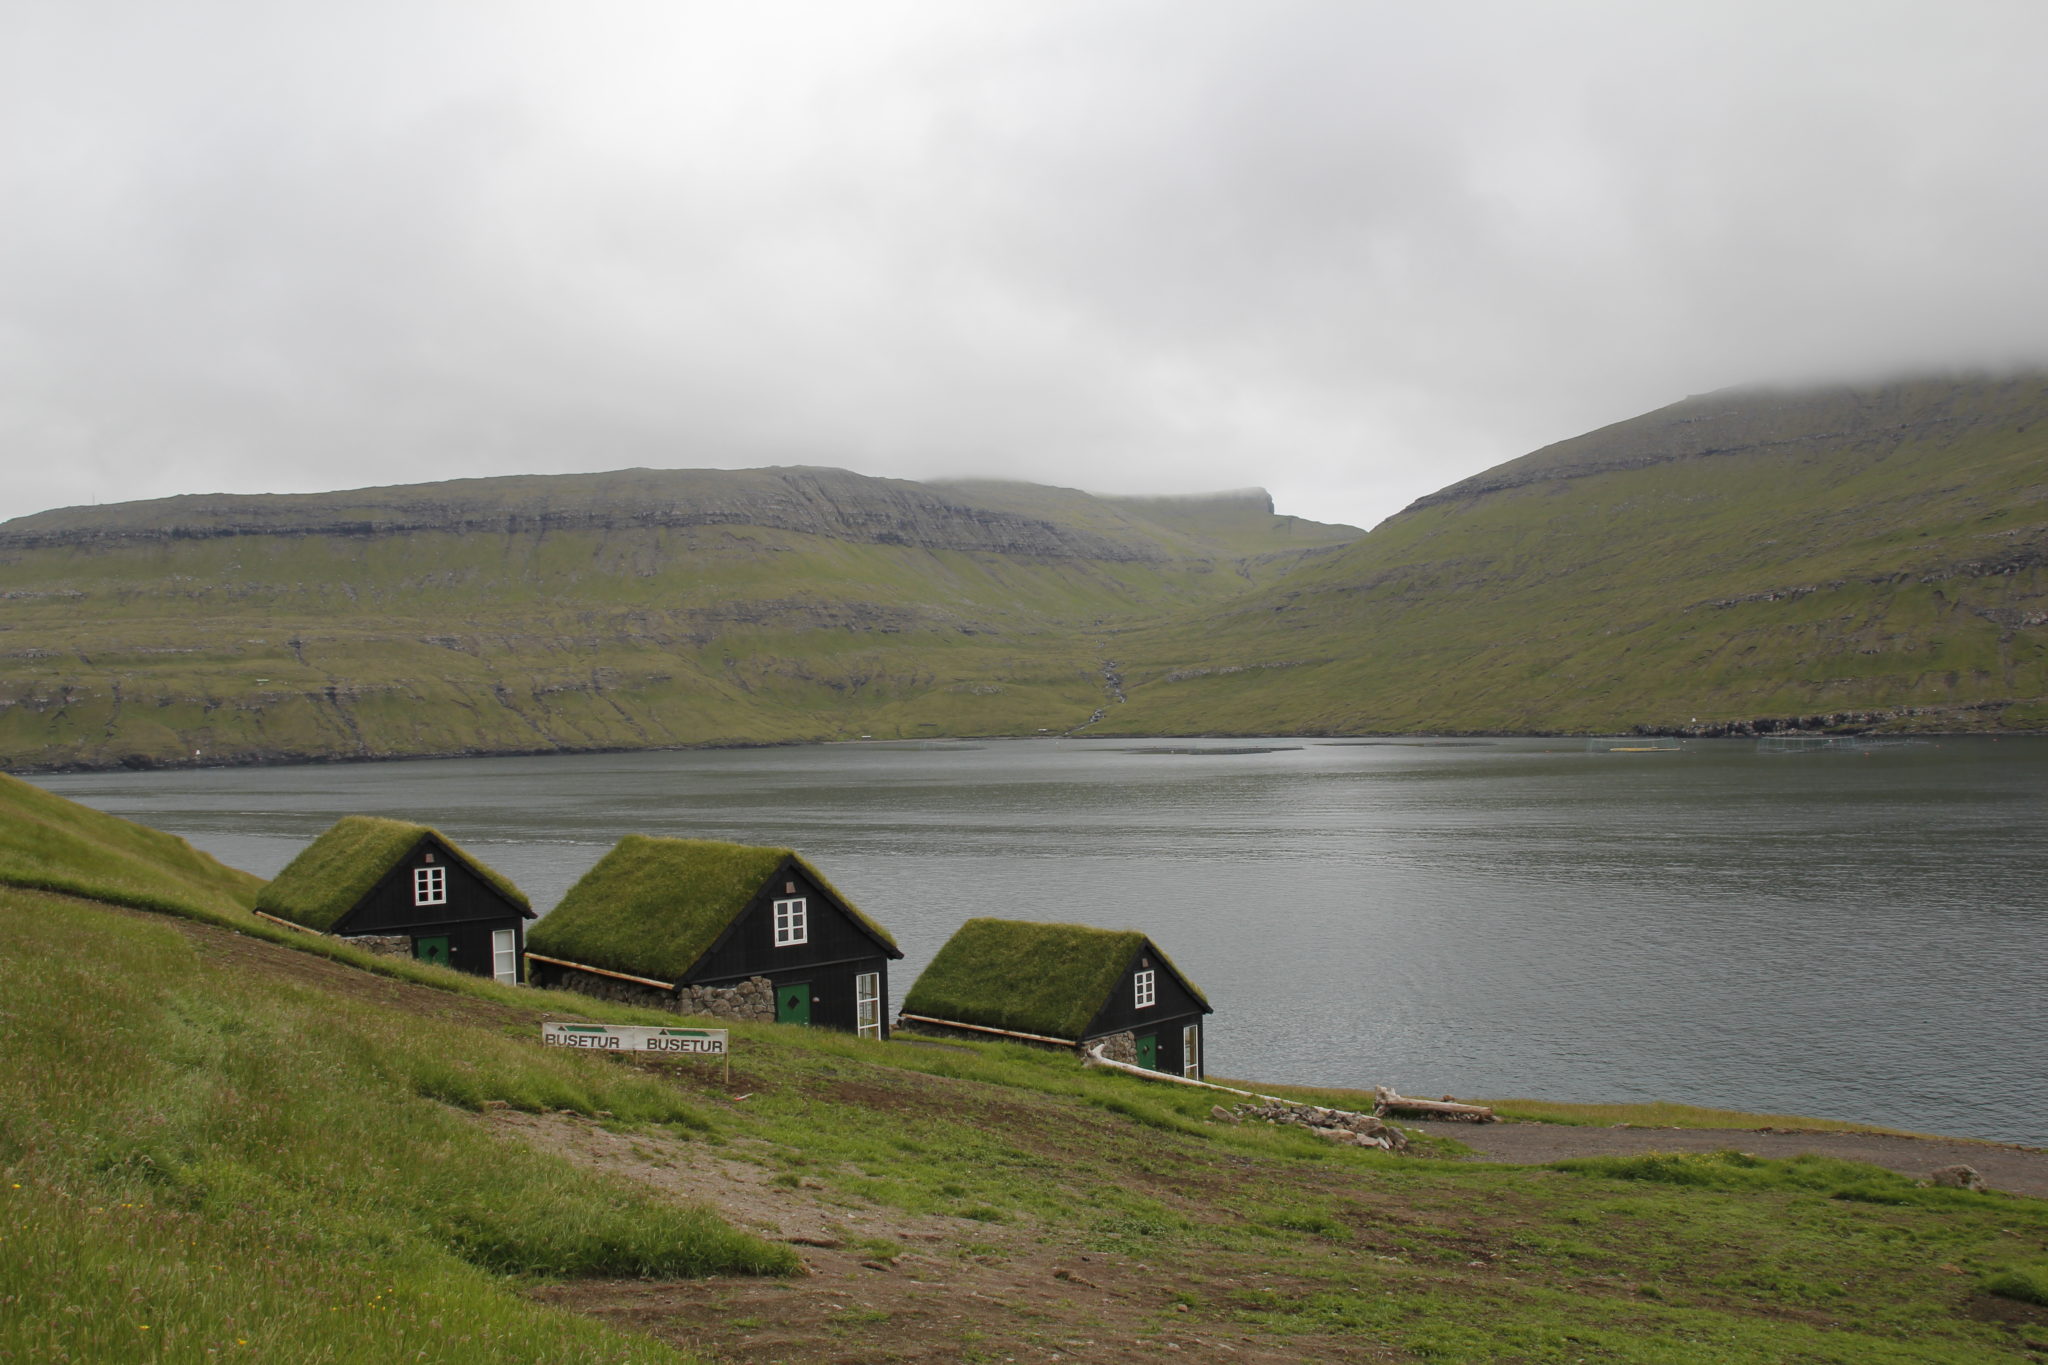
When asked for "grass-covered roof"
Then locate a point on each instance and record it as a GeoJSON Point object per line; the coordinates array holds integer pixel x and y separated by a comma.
{"type": "Point", "coordinates": [337, 869]}
{"type": "Point", "coordinates": [50, 844]}
{"type": "Point", "coordinates": [1050, 979]}
{"type": "Point", "coordinates": [652, 907]}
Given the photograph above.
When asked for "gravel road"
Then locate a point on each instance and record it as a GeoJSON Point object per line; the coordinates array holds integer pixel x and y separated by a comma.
{"type": "Point", "coordinates": [2016, 1170]}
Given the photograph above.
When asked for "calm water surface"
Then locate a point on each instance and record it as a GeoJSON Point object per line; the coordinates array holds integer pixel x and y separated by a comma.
{"type": "Point", "coordinates": [1863, 936]}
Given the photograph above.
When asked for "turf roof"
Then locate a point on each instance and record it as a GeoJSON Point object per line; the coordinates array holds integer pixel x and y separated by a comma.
{"type": "Point", "coordinates": [1050, 979]}
{"type": "Point", "coordinates": [341, 866]}
{"type": "Point", "coordinates": [652, 907]}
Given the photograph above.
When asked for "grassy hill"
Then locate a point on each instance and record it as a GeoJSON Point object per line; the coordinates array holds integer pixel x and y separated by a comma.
{"type": "Point", "coordinates": [1743, 556]}
{"type": "Point", "coordinates": [50, 844]}
{"type": "Point", "coordinates": [592, 611]}
{"type": "Point", "coordinates": [215, 1144]}
{"type": "Point", "coordinates": [1869, 557]}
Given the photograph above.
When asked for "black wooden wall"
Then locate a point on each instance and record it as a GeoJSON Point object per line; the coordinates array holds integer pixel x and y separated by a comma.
{"type": "Point", "coordinates": [473, 910]}
{"type": "Point", "coordinates": [1172, 1008]}
{"type": "Point", "coordinates": [836, 950]}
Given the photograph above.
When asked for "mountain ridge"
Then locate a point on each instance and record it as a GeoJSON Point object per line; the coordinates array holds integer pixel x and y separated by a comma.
{"type": "Point", "coordinates": [814, 500]}
{"type": "Point", "coordinates": [1751, 418]}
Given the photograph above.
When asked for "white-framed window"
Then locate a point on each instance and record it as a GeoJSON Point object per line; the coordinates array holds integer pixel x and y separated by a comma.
{"type": "Point", "coordinates": [505, 955]}
{"type": "Point", "coordinates": [790, 925]}
{"type": "Point", "coordinates": [430, 886]}
{"type": "Point", "coordinates": [1143, 981]}
{"type": "Point", "coordinates": [1191, 1052]}
{"type": "Point", "coordinates": [867, 1003]}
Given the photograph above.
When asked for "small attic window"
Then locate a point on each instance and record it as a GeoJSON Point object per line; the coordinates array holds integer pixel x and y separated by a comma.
{"type": "Point", "coordinates": [429, 858]}
{"type": "Point", "coordinates": [790, 926]}
{"type": "Point", "coordinates": [1143, 982]}
{"type": "Point", "coordinates": [430, 886]}
{"type": "Point", "coordinates": [789, 888]}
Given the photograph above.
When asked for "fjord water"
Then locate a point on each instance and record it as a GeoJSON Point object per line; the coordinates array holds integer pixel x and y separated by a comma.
{"type": "Point", "coordinates": [1858, 935]}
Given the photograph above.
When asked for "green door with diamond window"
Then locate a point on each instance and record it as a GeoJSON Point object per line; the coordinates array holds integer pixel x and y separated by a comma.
{"type": "Point", "coordinates": [1148, 1052]}
{"type": "Point", "coordinates": [793, 1003]}
{"type": "Point", "coordinates": [433, 950]}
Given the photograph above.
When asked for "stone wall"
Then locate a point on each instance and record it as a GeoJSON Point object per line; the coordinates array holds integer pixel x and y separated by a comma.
{"type": "Point", "coordinates": [1117, 1047]}
{"type": "Point", "coordinates": [384, 945]}
{"type": "Point", "coordinates": [752, 1000]}
{"type": "Point", "coordinates": [611, 988]}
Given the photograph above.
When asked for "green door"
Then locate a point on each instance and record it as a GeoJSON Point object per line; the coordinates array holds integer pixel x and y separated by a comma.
{"type": "Point", "coordinates": [793, 1003]}
{"type": "Point", "coordinates": [431, 949]}
{"type": "Point", "coordinates": [1148, 1052]}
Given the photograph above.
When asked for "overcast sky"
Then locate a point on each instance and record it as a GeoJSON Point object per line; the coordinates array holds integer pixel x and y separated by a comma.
{"type": "Point", "coordinates": [1347, 251]}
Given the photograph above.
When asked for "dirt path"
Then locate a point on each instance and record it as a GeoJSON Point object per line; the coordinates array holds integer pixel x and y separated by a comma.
{"type": "Point", "coordinates": [2016, 1170]}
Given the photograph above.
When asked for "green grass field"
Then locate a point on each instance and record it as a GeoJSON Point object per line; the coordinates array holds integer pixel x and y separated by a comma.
{"type": "Point", "coordinates": [219, 1139]}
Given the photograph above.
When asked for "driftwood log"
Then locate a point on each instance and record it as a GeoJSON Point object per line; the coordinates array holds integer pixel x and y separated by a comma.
{"type": "Point", "coordinates": [1387, 1102]}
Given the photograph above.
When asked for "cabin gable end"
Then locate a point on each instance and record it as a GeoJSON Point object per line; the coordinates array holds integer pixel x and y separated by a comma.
{"type": "Point", "coordinates": [812, 928]}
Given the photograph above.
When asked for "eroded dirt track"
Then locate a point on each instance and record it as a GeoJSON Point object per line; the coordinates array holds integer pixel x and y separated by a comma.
{"type": "Point", "coordinates": [883, 1285]}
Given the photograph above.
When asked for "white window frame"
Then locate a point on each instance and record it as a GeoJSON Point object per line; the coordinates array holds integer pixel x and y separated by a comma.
{"type": "Point", "coordinates": [1191, 1052]}
{"type": "Point", "coordinates": [867, 1004]}
{"type": "Point", "coordinates": [792, 922]}
{"type": "Point", "coordinates": [1143, 984]}
{"type": "Point", "coordinates": [505, 955]}
{"type": "Point", "coordinates": [430, 886]}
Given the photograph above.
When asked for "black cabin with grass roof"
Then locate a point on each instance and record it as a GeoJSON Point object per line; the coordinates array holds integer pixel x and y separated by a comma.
{"type": "Point", "coordinates": [403, 890]}
{"type": "Point", "coordinates": [1064, 985]}
{"type": "Point", "coordinates": [728, 930]}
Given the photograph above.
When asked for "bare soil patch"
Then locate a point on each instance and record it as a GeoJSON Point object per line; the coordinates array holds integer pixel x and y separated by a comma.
{"type": "Point", "coordinates": [886, 1285]}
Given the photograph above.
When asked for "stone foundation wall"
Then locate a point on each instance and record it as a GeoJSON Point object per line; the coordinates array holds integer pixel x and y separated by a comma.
{"type": "Point", "coordinates": [611, 988]}
{"type": "Point", "coordinates": [753, 1000]}
{"type": "Point", "coordinates": [384, 945]}
{"type": "Point", "coordinates": [1117, 1047]}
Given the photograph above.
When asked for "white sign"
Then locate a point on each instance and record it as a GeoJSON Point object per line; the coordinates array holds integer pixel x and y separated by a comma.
{"type": "Point", "coordinates": [703, 1042]}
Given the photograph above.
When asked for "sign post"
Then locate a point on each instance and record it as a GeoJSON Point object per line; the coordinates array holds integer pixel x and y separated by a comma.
{"type": "Point", "coordinates": [699, 1042]}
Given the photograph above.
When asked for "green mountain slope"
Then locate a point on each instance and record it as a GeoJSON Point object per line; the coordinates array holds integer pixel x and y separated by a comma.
{"type": "Point", "coordinates": [592, 611]}
{"type": "Point", "coordinates": [1740, 557]}
{"type": "Point", "coordinates": [1744, 559]}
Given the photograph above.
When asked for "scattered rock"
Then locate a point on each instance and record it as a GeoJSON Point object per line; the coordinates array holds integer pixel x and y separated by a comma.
{"type": "Point", "coordinates": [1219, 1113]}
{"type": "Point", "coordinates": [813, 1239]}
{"type": "Point", "coordinates": [492, 1106]}
{"type": "Point", "coordinates": [1339, 1125]}
{"type": "Point", "coordinates": [1957, 1177]}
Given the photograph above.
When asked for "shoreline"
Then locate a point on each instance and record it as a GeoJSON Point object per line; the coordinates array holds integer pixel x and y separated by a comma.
{"type": "Point", "coordinates": [142, 763]}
